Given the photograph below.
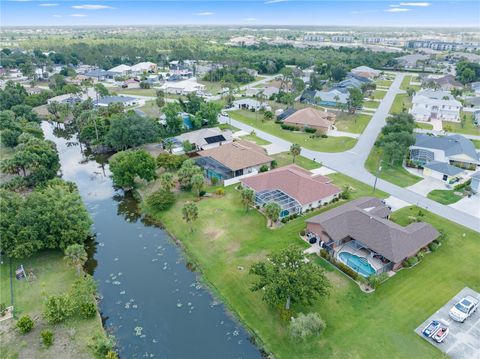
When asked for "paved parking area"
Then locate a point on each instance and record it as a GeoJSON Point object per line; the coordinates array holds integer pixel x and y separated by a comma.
{"type": "Point", "coordinates": [463, 340]}
{"type": "Point", "coordinates": [427, 185]}
{"type": "Point", "coordinates": [469, 205]}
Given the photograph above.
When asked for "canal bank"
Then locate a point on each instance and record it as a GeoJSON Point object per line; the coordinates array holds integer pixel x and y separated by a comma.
{"type": "Point", "coordinates": [153, 304]}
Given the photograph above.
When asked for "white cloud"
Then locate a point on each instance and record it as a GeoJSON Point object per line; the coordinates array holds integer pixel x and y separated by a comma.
{"type": "Point", "coordinates": [274, 1]}
{"type": "Point", "coordinates": [250, 19]}
{"type": "Point", "coordinates": [47, 5]}
{"type": "Point", "coordinates": [91, 7]}
{"type": "Point", "coordinates": [77, 15]}
{"type": "Point", "coordinates": [420, 4]}
{"type": "Point", "coordinates": [397, 9]}
{"type": "Point", "coordinates": [394, 5]}
{"type": "Point", "coordinates": [205, 13]}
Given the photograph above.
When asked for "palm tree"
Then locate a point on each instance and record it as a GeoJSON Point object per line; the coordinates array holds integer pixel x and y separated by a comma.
{"type": "Point", "coordinates": [272, 211]}
{"type": "Point", "coordinates": [295, 150]}
{"type": "Point", "coordinates": [76, 255]}
{"type": "Point", "coordinates": [166, 181]}
{"type": "Point", "coordinates": [190, 213]}
{"type": "Point", "coordinates": [197, 183]}
{"type": "Point", "coordinates": [248, 196]}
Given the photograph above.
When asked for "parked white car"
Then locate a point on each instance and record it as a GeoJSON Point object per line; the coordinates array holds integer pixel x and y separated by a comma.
{"type": "Point", "coordinates": [463, 309]}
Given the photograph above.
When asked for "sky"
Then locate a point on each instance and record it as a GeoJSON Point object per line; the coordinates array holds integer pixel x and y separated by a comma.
{"type": "Point", "coordinates": [440, 13]}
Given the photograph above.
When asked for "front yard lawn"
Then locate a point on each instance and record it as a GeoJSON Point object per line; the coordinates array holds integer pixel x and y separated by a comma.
{"type": "Point", "coordinates": [401, 104]}
{"type": "Point", "coordinates": [444, 196]}
{"type": "Point", "coordinates": [359, 325]}
{"type": "Point", "coordinates": [379, 94]}
{"type": "Point", "coordinates": [285, 158]}
{"type": "Point", "coordinates": [384, 83]}
{"type": "Point", "coordinates": [253, 138]}
{"type": "Point", "coordinates": [394, 174]}
{"type": "Point", "coordinates": [151, 109]}
{"type": "Point", "coordinates": [352, 123]}
{"type": "Point", "coordinates": [53, 276]}
{"type": "Point", "coordinates": [330, 144]}
{"type": "Point", "coordinates": [133, 91]}
{"type": "Point", "coordinates": [425, 126]}
{"type": "Point", "coordinates": [476, 143]}
{"type": "Point", "coordinates": [371, 104]}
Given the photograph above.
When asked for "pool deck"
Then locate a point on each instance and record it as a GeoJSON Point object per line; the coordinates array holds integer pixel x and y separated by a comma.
{"type": "Point", "coordinates": [374, 262]}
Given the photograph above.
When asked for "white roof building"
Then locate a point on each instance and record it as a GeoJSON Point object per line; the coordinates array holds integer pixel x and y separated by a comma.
{"type": "Point", "coordinates": [202, 139]}
{"type": "Point", "coordinates": [430, 105]}
{"type": "Point", "coordinates": [121, 69]}
{"type": "Point", "coordinates": [183, 87]}
{"type": "Point", "coordinates": [144, 67]}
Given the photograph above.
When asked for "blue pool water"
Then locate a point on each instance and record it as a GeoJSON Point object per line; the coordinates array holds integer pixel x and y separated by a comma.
{"type": "Point", "coordinates": [358, 264]}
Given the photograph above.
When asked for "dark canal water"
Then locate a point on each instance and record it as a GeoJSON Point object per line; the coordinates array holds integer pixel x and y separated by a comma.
{"type": "Point", "coordinates": [152, 303]}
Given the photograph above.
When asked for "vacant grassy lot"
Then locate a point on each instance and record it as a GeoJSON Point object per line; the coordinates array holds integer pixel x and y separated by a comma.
{"type": "Point", "coordinates": [444, 196]}
{"type": "Point", "coordinates": [359, 325]}
{"type": "Point", "coordinates": [151, 109]}
{"type": "Point", "coordinates": [371, 104]}
{"type": "Point", "coordinates": [425, 126]}
{"type": "Point", "coordinates": [384, 83]}
{"type": "Point", "coordinates": [379, 94]}
{"type": "Point", "coordinates": [133, 91]}
{"type": "Point", "coordinates": [352, 123]}
{"type": "Point", "coordinates": [401, 103]}
{"type": "Point", "coordinates": [330, 144]}
{"type": "Point", "coordinates": [394, 174]}
{"type": "Point", "coordinates": [54, 276]}
{"type": "Point", "coordinates": [285, 158]}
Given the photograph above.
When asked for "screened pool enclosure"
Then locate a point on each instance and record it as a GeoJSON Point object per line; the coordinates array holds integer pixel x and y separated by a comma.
{"type": "Point", "coordinates": [288, 204]}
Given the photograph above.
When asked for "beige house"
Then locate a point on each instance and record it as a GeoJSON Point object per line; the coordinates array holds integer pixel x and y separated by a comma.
{"type": "Point", "coordinates": [309, 117]}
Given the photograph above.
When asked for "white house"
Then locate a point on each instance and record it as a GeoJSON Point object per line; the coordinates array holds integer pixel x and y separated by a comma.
{"type": "Point", "coordinates": [183, 87]}
{"type": "Point", "coordinates": [143, 67]}
{"type": "Point", "coordinates": [121, 70]}
{"type": "Point", "coordinates": [203, 139]}
{"type": "Point", "coordinates": [250, 104]}
{"type": "Point", "coordinates": [430, 105]}
{"type": "Point", "coordinates": [125, 100]}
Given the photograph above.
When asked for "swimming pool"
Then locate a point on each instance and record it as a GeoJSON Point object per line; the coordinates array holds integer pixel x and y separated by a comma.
{"type": "Point", "coordinates": [358, 264]}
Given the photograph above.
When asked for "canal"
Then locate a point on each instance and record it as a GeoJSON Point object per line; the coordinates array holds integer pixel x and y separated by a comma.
{"type": "Point", "coordinates": [151, 302]}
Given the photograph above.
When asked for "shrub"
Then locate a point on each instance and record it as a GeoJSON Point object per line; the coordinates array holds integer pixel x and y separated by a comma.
{"type": "Point", "coordinates": [324, 253]}
{"type": "Point", "coordinates": [310, 130]}
{"type": "Point", "coordinates": [88, 310]}
{"type": "Point", "coordinates": [58, 308]}
{"type": "Point", "coordinates": [25, 324]}
{"type": "Point", "coordinates": [306, 325]}
{"type": "Point", "coordinates": [420, 255]}
{"type": "Point", "coordinates": [170, 162]}
{"type": "Point", "coordinates": [220, 191]}
{"type": "Point", "coordinates": [111, 355]}
{"type": "Point", "coordinates": [161, 200]}
{"type": "Point", "coordinates": [324, 135]}
{"type": "Point", "coordinates": [3, 309]}
{"type": "Point", "coordinates": [47, 337]}
{"type": "Point", "coordinates": [347, 270]}
{"type": "Point", "coordinates": [409, 262]}
{"type": "Point", "coordinates": [202, 193]}
{"type": "Point", "coordinates": [102, 345]}
{"type": "Point", "coordinates": [214, 181]}
{"type": "Point", "coordinates": [263, 168]}
{"type": "Point", "coordinates": [274, 164]}
{"type": "Point", "coordinates": [374, 280]}
{"type": "Point", "coordinates": [302, 232]}
{"type": "Point", "coordinates": [433, 246]}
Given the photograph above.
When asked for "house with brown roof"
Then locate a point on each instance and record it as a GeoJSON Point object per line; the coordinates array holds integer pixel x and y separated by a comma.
{"type": "Point", "coordinates": [233, 160]}
{"type": "Point", "coordinates": [295, 189]}
{"type": "Point", "coordinates": [309, 117]}
{"type": "Point", "coordinates": [360, 235]}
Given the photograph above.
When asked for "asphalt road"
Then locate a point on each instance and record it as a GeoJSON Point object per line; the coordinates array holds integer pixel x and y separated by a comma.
{"type": "Point", "coordinates": [352, 162]}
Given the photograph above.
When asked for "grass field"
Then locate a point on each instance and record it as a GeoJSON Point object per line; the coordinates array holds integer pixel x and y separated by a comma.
{"type": "Point", "coordinates": [211, 87]}
{"type": "Point", "coordinates": [285, 158]}
{"type": "Point", "coordinates": [352, 123]}
{"type": "Point", "coordinates": [444, 196]}
{"type": "Point", "coordinates": [378, 94]}
{"type": "Point", "coordinates": [425, 126]}
{"type": "Point", "coordinates": [468, 127]}
{"type": "Point", "coordinates": [384, 83]}
{"type": "Point", "coordinates": [259, 141]}
{"type": "Point", "coordinates": [330, 144]}
{"type": "Point", "coordinates": [394, 174]}
{"type": "Point", "coordinates": [359, 325]}
{"type": "Point", "coordinates": [54, 276]}
{"type": "Point", "coordinates": [476, 143]}
{"type": "Point", "coordinates": [406, 83]}
{"type": "Point", "coordinates": [138, 91]}
{"type": "Point", "coordinates": [401, 102]}
{"type": "Point", "coordinates": [371, 104]}
{"type": "Point", "coordinates": [151, 109]}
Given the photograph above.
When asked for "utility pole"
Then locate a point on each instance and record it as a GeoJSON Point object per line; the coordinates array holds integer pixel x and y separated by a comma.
{"type": "Point", "coordinates": [376, 176]}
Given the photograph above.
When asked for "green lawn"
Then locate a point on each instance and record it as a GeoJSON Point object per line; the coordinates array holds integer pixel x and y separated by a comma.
{"type": "Point", "coordinates": [406, 83]}
{"type": "Point", "coordinates": [285, 158]}
{"type": "Point", "coordinates": [151, 109]}
{"type": "Point", "coordinates": [371, 104]}
{"type": "Point", "coordinates": [54, 276]}
{"type": "Point", "coordinates": [468, 127]}
{"type": "Point", "coordinates": [394, 174]}
{"type": "Point", "coordinates": [259, 141]}
{"type": "Point", "coordinates": [385, 83]}
{"type": "Point", "coordinates": [378, 94]}
{"type": "Point", "coordinates": [211, 87]}
{"type": "Point", "coordinates": [359, 325]}
{"type": "Point", "coordinates": [425, 126]}
{"type": "Point", "coordinates": [352, 123]}
{"type": "Point", "coordinates": [476, 143]}
{"type": "Point", "coordinates": [401, 102]}
{"type": "Point", "coordinates": [133, 91]}
{"type": "Point", "coordinates": [330, 144]}
{"type": "Point", "coordinates": [444, 196]}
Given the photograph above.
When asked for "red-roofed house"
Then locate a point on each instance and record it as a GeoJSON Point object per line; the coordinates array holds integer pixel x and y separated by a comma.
{"type": "Point", "coordinates": [293, 188]}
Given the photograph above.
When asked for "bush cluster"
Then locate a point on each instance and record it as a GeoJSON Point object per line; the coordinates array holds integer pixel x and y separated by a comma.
{"type": "Point", "coordinates": [47, 337]}
{"type": "Point", "coordinates": [306, 325]}
{"type": "Point", "coordinates": [310, 130]}
{"type": "Point", "coordinates": [161, 200]}
{"type": "Point", "coordinates": [289, 127]}
{"type": "Point", "coordinates": [410, 262]}
{"type": "Point", "coordinates": [433, 246]}
{"type": "Point", "coordinates": [25, 324]}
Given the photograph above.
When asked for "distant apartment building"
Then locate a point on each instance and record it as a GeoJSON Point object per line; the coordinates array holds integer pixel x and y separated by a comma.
{"type": "Point", "coordinates": [430, 105]}
{"type": "Point", "coordinates": [313, 37]}
{"type": "Point", "coordinates": [442, 45]}
{"type": "Point", "coordinates": [342, 38]}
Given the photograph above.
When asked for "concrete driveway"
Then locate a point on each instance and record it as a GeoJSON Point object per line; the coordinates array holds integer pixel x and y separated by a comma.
{"type": "Point", "coordinates": [427, 185]}
{"type": "Point", "coordinates": [463, 340]}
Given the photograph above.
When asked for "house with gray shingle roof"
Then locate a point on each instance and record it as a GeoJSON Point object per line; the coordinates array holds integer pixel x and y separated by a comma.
{"type": "Point", "coordinates": [443, 171]}
{"type": "Point", "coordinates": [475, 184]}
{"type": "Point", "coordinates": [360, 235]}
{"type": "Point", "coordinates": [455, 150]}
